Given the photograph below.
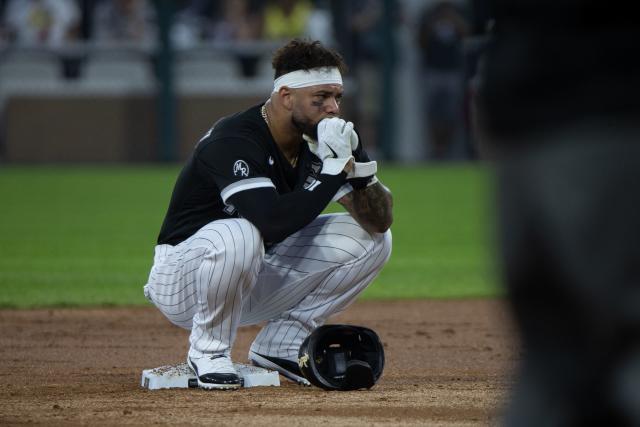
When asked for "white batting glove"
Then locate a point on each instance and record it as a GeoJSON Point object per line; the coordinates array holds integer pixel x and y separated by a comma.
{"type": "Point", "coordinates": [359, 170]}
{"type": "Point", "coordinates": [334, 145]}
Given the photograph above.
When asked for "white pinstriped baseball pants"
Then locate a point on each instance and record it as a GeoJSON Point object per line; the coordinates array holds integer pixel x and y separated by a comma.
{"type": "Point", "coordinates": [220, 279]}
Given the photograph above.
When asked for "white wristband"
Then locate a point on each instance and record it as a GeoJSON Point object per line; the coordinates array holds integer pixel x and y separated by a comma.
{"type": "Point", "coordinates": [334, 166]}
{"type": "Point", "coordinates": [363, 169]}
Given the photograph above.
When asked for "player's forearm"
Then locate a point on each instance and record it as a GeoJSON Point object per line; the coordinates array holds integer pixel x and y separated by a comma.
{"type": "Point", "coordinates": [371, 206]}
{"type": "Point", "coordinates": [278, 216]}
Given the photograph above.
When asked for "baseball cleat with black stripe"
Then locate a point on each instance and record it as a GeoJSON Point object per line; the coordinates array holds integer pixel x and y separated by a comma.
{"type": "Point", "coordinates": [286, 368]}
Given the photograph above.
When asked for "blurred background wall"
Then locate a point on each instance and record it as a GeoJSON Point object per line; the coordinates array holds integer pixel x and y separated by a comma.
{"type": "Point", "coordinates": [112, 81]}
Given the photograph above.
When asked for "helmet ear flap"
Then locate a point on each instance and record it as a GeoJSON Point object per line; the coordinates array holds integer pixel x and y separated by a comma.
{"type": "Point", "coordinates": [342, 357]}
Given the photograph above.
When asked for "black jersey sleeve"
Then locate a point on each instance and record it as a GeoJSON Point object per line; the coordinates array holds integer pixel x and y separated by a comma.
{"type": "Point", "coordinates": [234, 165]}
{"type": "Point", "coordinates": [280, 215]}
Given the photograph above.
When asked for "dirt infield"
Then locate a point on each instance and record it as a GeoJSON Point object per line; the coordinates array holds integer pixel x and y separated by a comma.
{"type": "Point", "coordinates": [448, 363]}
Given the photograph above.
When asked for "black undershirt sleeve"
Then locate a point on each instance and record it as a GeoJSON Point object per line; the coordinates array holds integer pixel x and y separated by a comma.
{"type": "Point", "coordinates": [278, 216]}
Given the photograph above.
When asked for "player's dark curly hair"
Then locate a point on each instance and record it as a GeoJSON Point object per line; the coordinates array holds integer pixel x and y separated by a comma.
{"type": "Point", "coordinates": [301, 54]}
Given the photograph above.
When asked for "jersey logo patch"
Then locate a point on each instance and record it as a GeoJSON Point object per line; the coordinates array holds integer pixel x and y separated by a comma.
{"type": "Point", "coordinates": [240, 168]}
{"type": "Point", "coordinates": [271, 162]}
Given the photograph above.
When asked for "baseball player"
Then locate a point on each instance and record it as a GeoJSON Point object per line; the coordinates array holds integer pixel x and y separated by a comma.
{"type": "Point", "coordinates": [243, 241]}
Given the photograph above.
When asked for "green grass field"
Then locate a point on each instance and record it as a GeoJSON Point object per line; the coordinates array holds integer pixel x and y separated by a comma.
{"type": "Point", "coordinates": [76, 236]}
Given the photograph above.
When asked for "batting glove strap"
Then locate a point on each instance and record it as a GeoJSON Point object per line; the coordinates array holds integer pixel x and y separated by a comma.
{"type": "Point", "coordinates": [332, 166]}
{"type": "Point", "coordinates": [363, 170]}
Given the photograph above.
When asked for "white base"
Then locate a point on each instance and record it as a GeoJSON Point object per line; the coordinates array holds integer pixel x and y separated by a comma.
{"type": "Point", "coordinates": [181, 376]}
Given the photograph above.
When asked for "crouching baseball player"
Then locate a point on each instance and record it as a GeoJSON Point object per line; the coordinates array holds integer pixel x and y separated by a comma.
{"type": "Point", "coordinates": [243, 241]}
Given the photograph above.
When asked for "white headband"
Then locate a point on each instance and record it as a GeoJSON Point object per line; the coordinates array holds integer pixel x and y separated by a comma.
{"type": "Point", "coordinates": [304, 78]}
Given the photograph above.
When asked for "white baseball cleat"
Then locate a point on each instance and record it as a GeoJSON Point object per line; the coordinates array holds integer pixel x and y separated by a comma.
{"type": "Point", "coordinates": [215, 372]}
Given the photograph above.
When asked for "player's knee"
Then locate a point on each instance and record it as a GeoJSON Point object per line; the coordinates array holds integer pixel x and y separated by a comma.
{"type": "Point", "coordinates": [376, 257]}
{"type": "Point", "coordinates": [352, 241]}
{"type": "Point", "coordinates": [355, 242]}
{"type": "Point", "coordinates": [248, 247]}
{"type": "Point", "coordinates": [383, 243]}
{"type": "Point", "coordinates": [371, 245]}
{"type": "Point", "coordinates": [380, 250]}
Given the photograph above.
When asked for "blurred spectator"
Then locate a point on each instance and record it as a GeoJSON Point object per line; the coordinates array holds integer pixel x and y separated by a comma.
{"type": "Point", "coordinates": [285, 19]}
{"type": "Point", "coordinates": [320, 24]}
{"type": "Point", "coordinates": [236, 22]}
{"type": "Point", "coordinates": [41, 22]}
{"type": "Point", "coordinates": [124, 21]}
{"type": "Point", "coordinates": [188, 22]}
{"type": "Point", "coordinates": [442, 29]}
{"type": "Point", "coordinates": [357, 26]}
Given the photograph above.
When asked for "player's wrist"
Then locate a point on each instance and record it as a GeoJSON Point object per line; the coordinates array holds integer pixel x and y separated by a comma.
{"type": "Point", "coordinates": [349, 167]}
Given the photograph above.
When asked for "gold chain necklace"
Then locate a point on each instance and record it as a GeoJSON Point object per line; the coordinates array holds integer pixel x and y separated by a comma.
{"type": "Point", "coordinates": [263, 113]}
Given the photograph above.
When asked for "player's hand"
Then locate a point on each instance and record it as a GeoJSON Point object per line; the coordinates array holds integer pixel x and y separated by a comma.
{"type": "Point", "coordinates": [363, 169]}
{"type": "Point", "coordinates": [336, 134]}
{"type": "Point", "coordinates": [334, 144]}
{"type": "Point", "coordinates": [360, 169]}
{"type": "Point", "coordinates": [349, 167]}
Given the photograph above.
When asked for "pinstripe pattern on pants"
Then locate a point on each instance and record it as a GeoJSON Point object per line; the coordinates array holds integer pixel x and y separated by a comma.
{"type": "Point", "coordinates": [220, 278]}
{"type": "Point", "coordinates": [313, 274]}
{"type": "Point", "coordinates": [200, 284]}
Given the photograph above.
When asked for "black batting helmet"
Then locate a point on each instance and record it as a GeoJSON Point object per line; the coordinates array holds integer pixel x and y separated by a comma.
{"type": "Point", "coordinates": [342, 357]}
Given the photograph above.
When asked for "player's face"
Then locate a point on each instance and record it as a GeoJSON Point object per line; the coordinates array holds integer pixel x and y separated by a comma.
{"type": "Point", "coordinates": [314, 103]}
